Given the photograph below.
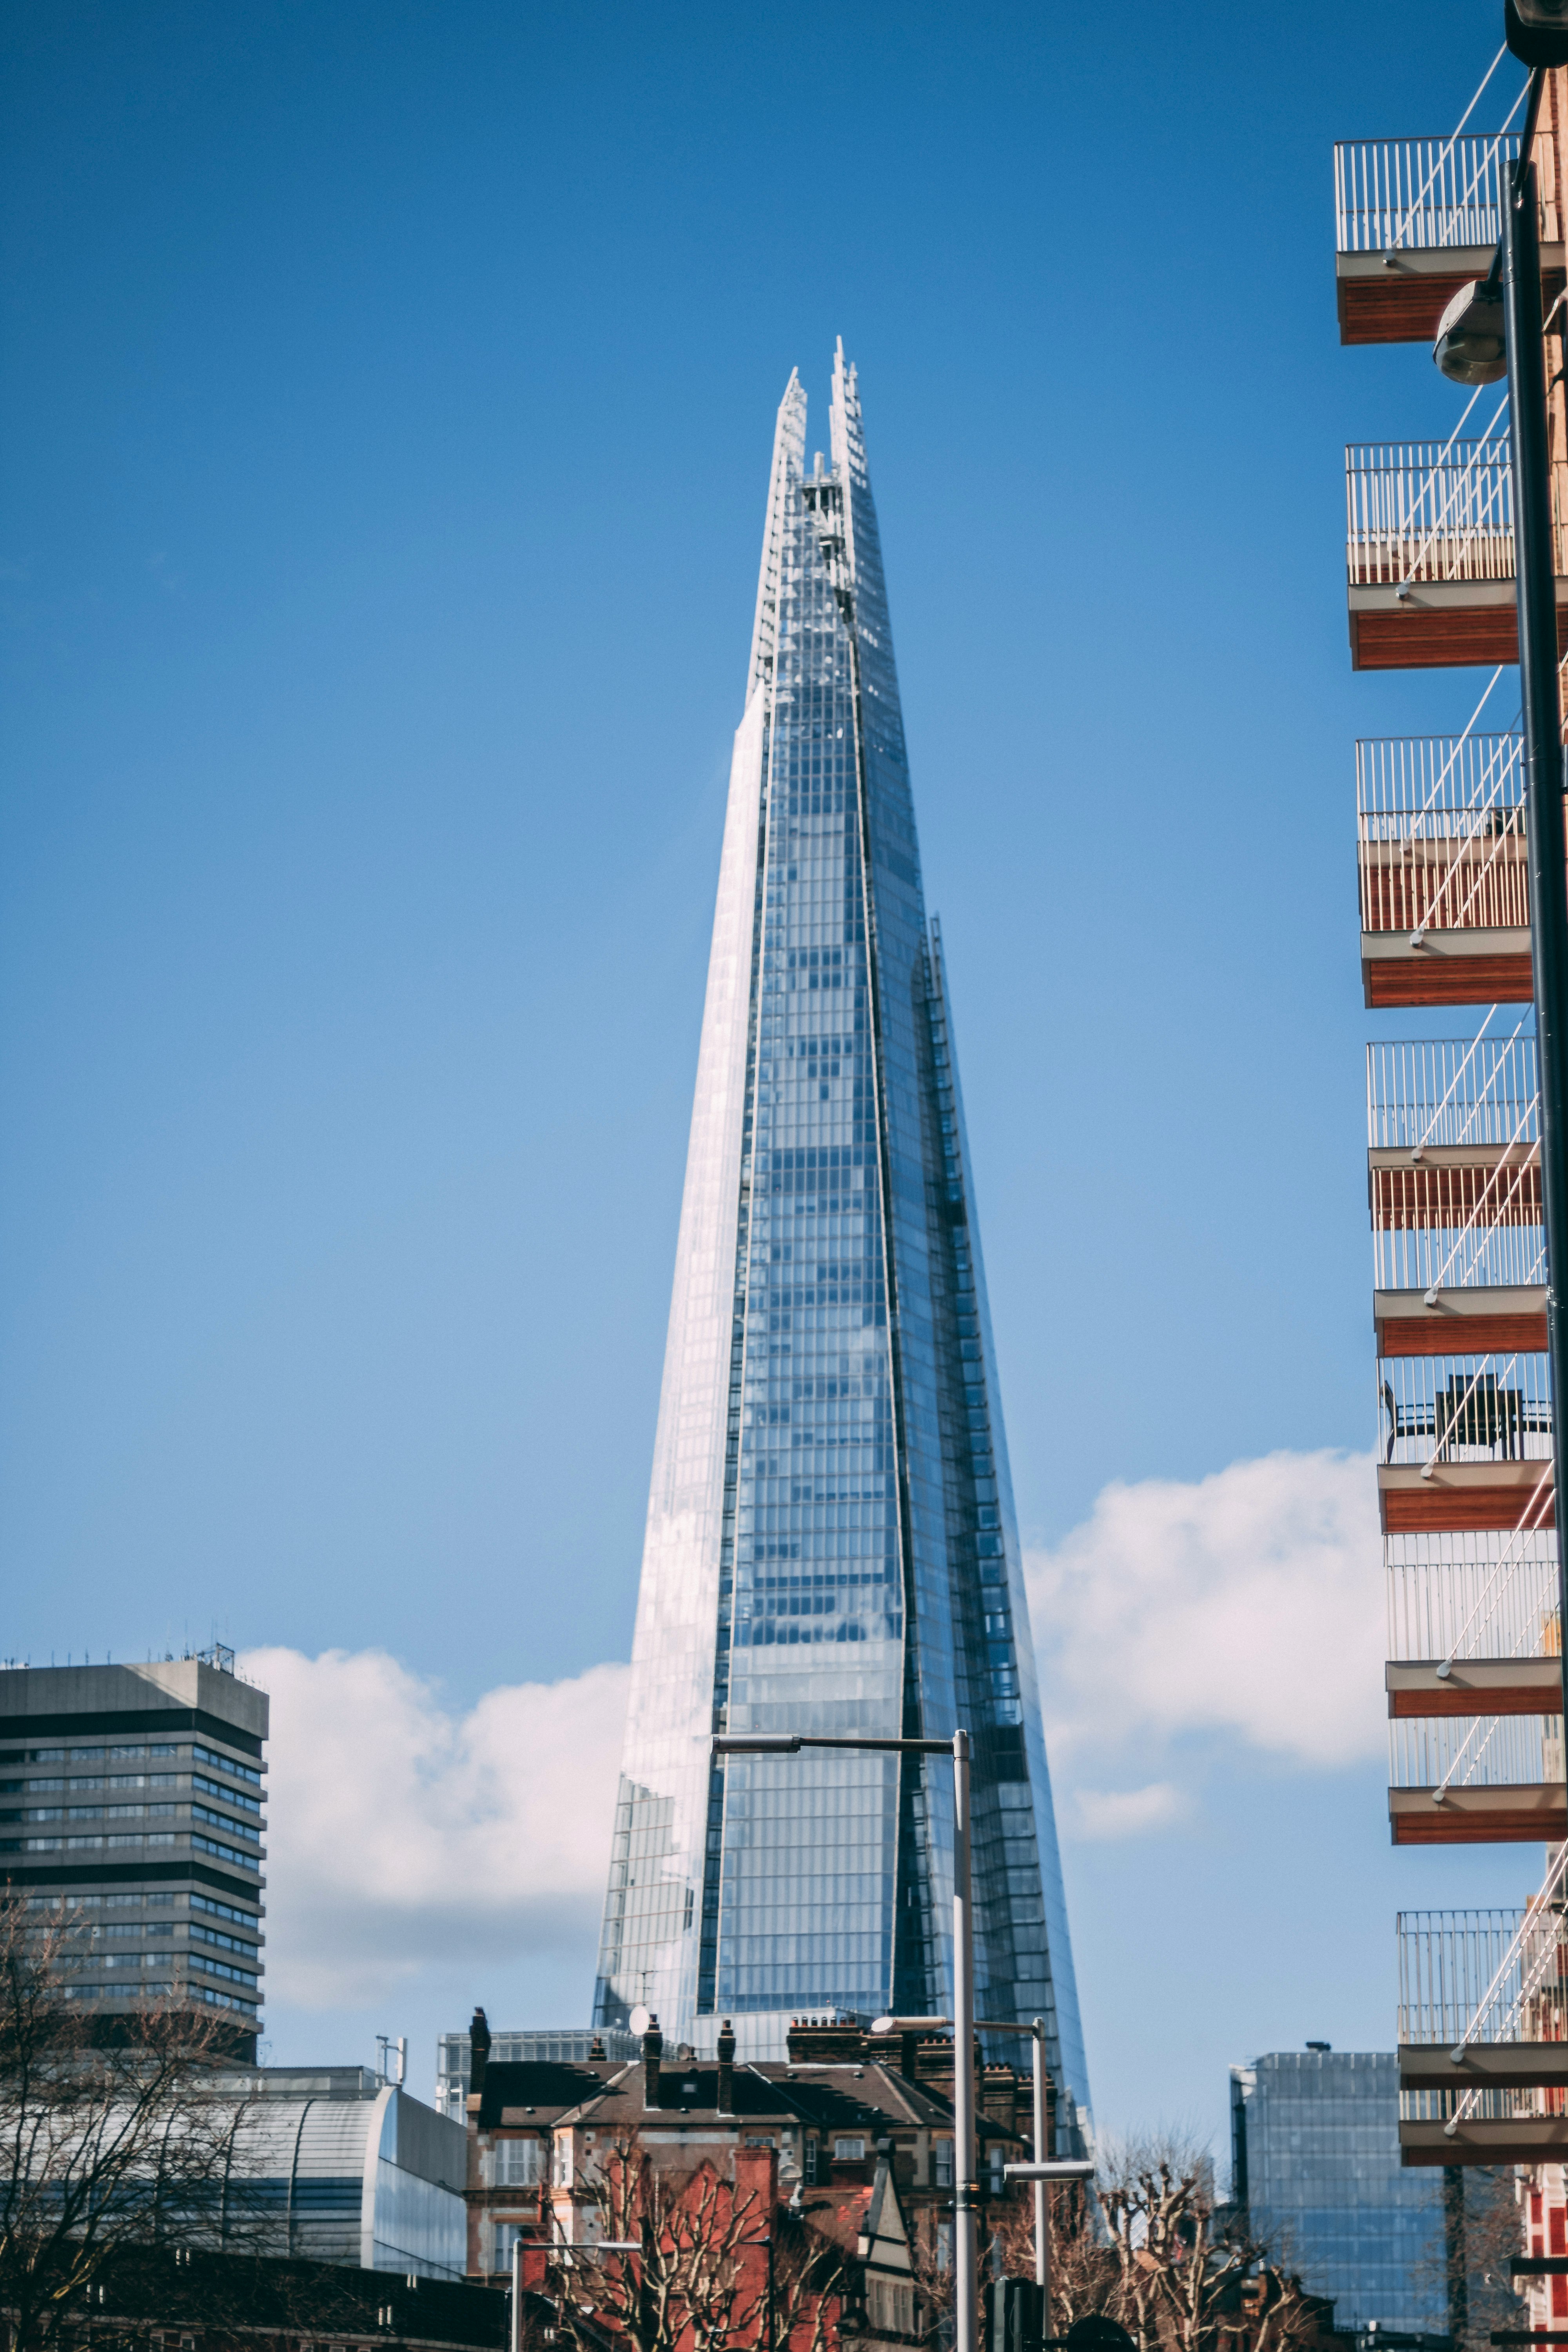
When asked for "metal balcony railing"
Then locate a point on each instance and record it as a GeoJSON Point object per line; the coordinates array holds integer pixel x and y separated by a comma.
{"type": "Point", "coordinates": [1428, 512]}
{"type": "Point", "coordinates": [1496, 2103]}
{"type": "Point", "coordinates": [1450, 1964]}
{"type": "Point", "coordinates": [1420, 196]}
{"type": "Point", "coordinates": [1479, 1751]}
{"type": "Point", "coordinates": [1440, 821]}
{"type": "Point", "coordinates": [1464, 1409]}
{"type": "Point", "coordinates": [1445, 1093]}
{"type": "Point", "coordinates": [1487, 1594]}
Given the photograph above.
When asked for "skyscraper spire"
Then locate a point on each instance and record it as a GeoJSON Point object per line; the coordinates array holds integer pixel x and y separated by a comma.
{"type": "Point", "coordinates": [831, 1542]}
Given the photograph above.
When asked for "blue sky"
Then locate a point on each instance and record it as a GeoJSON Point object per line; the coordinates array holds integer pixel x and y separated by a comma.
{"type": "Point", "coordinates": [387, 393]}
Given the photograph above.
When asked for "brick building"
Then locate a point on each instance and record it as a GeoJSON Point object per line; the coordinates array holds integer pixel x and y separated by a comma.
{"type": "Point", "coordinates": [853, 2132]}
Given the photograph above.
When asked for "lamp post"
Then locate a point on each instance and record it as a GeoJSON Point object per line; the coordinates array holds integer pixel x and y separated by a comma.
{"type": "Point", "coordinates": [1537, 30]}
{"type": "Point", "coordinates": [966, 2188]}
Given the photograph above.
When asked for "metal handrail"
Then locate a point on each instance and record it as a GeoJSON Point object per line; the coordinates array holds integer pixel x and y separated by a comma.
{"type": "Point", "coordinates": [1455, 486]}
{"type": "Point", "coordinates": [1396, 498]}
{"type": "Point", "coordinates": [1492, 1175]}
{"type": "Point", "coordinates": [1378, 170]}
{"type": "Point", "coordinates": [1530, 1984]}
{"type": "Point", "coordinates": [1523, 1526]}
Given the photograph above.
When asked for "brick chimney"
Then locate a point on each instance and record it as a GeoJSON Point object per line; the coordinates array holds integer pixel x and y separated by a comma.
{"type": "Point", "coordinates": [999, 2097]}
{"type": "Point", "coordinates": [652, 2053]}
{"type": "Point", "coordinates": [827, 2041]}
{"type": "Point", "coordinates": [479, 2052]}
{"type": "Point", "coordinates": [726, 2069]}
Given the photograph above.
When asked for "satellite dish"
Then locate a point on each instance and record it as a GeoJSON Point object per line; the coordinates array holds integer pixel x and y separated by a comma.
{"type": "Point", "coordinates": [640, 2019]}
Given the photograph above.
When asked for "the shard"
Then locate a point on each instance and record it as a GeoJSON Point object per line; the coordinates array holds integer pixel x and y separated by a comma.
{"type": "Point", "coordinates": [831, 1542]}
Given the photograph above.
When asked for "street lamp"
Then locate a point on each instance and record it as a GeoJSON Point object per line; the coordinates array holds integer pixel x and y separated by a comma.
{"type": "Point", "coordinates": [966, 2188]}
{"type": "Point", "coordinates": [1537, 33]}
{"type": "Point", "coordinates": [1036, 2030]}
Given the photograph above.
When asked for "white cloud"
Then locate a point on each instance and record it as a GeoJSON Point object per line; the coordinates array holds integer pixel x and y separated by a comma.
{"type": "Point", "coordinates": [1250, 1601]}
{"type": "Point", "coordinates": [1127, 1813]}
{"type": "Point", "coordinates": [401, 1834]}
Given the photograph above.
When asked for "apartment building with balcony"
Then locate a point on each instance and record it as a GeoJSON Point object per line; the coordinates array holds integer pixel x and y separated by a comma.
{"type": "Point", "coordinates": [132, 1814]}
{"type": "Point", "coordinates": [1462, 1390]}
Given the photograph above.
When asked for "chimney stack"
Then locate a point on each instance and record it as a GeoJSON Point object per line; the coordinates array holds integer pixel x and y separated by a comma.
{"type": "Point", "coordinates": [726, 2069]}
{"type": "Point", "coordinates": [652, 2051]}
{"type": "Point", "coordinates": [480, 2053]}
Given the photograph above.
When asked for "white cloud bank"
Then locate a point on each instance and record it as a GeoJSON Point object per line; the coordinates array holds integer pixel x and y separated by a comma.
{"type": "Point", "coordinates": [1250, 1601]}
{"type": "Point", "coordinates": [403, 1835]}
{"type": "Point", "coordinates": [400, 1833]}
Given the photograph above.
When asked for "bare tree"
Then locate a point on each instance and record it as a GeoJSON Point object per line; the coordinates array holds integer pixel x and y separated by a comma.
{"type": "Point", "coordinates": [691, 2284]}
{"type": "Point", "coordinates": [1154, 2249]}
{"type": "Point", "coordinates": [103, 2150]}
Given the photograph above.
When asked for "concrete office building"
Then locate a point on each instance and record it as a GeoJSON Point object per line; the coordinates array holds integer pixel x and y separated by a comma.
{"type": "Point", "coordinates": [132, 1805]}
{"type": "Point", "coordinates": [1315, 2162]}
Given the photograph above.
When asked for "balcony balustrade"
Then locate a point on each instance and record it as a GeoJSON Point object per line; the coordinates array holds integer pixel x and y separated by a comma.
{"type": "Point", "coordinates": [1454, 1189]}
{"type": "Point", "coordinates": [1467, 1600]}
{"type": "Point", "coordinates": [1466, 1441]}
{"type": "Point", "coordinates": [1416, 218]}
{"type": "Point", "coordinates": [1445, 884]}
{"type": "Point", "coordinates": [1430, 554]}
{"type": "Point", "coordinates": [1485, 1779]}
{"type": "Point", "coordinates": [1483, 2009]}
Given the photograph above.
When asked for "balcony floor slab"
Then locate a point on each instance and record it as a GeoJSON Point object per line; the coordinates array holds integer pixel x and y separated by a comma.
{"type": "Point", "coordinates": [1486, 1319]}
{"type": "Point", "coordinates": [1399, 298]}
{"type": "Point", "coordinates": [1528, 2139]}
{"type": "Point", "coordinates": [1460, 1497]}
{"type": "Point", "coordinates": [1512, 2065]}
{"type": "Point", "coordinates": [1440, 624]}
{"type": "Point", "coordinates": [1528, 1814]}
{"type": "Point", "coordinates": [1469, 967]}
{"type": "Point", "coordinates": [1475, 1686]}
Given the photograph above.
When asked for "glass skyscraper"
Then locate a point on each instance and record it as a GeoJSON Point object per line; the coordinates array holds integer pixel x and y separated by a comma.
{"type": "Point", "coordinates": [831, 1542]}
{"type": "Point", "coordinates": [1315, 2161]}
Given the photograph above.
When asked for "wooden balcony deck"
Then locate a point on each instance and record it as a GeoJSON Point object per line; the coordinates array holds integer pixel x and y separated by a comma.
{"type": "Point", "coordinates": [1475, 1686]}
{"type": "Point", "coordinates": [1475, 1322]}
{"type": "Point", "coordinates": [1464, 967]}
{"type": "Point", "coordinates": [1459, 1498]}
{"type": "Point", "coordinates": [1398, 298]}
{"type": "Point", "coordinates": [1440, 624]}
{"type": "Point", "coordinates": [1524, 1813]}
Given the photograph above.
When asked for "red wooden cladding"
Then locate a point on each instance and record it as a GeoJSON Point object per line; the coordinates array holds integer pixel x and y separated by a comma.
{"type": "Point", "coordinates": [1468, 1335]}
{"type": "Point", "coordinates": [1501, 1824]}
{"type": "Point", "coordinates": [1400, 307]}
{"type": "Point", "coordinates": [1397, 981]}
{"type": "Point", "coordinates": [1438, 1509]}
{"type": "Point", "coordinates": [1441, 1702]}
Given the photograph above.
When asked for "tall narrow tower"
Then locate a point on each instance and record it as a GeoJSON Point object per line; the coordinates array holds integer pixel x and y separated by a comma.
{"type": "Point", "coordinates": [831, 1543]}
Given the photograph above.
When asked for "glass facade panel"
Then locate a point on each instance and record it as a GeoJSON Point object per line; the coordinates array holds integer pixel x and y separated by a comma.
{"type": "Point", "coordinates": [831, 1542]}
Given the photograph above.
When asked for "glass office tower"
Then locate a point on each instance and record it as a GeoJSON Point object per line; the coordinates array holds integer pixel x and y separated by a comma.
{"type": "Point", "coordinates": [831, 1543]}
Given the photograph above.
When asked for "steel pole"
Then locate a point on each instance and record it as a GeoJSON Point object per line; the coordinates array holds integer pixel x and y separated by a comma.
{"type": "Point", "coordinates": [966, 2188]}
{"type": "Point", "coordinates": [1536, 570]}
{"type": "Point", "coordinates": [514, 2332]}
{"type": "Point", "coordinates": [1042, 2210]}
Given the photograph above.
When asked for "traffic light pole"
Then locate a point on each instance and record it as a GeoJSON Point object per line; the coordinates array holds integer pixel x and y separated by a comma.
{"type": "Point", "coordinates": [1536, 570]}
